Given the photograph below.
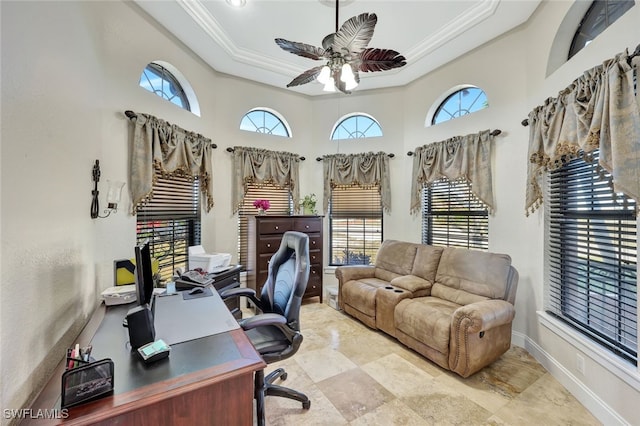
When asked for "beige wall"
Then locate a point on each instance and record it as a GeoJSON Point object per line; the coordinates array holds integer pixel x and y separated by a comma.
{"type": "Point", "coordinates": [70, 69]}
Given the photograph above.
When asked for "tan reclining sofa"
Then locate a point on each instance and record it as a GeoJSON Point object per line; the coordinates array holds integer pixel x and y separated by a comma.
{"type": "Point", "coordinates": [452, 305]}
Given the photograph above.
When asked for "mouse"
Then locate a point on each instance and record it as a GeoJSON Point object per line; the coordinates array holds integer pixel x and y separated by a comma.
{"type": "Point", "coordinates": [196, 290]}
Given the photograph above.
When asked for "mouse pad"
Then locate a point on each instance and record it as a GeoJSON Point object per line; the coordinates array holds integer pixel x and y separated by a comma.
{"type": "Point", "coordinates": [205, 293]}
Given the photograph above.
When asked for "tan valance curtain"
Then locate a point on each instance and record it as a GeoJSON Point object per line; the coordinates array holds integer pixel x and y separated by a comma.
{"type": "Point", "coordinates": [174, 151]}
{"type": "Point", "coordinates": [597, 111]}
{"type": "Point", "coordinates": [259, 166]}
{"type": "Point", "coordinates": [365, 170]}
{"type": "Point", "coordinates": [461, 158]}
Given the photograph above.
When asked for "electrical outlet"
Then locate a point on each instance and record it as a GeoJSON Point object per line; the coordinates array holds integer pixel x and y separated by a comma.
{"type": "Point", "coordinates": [580, 363]}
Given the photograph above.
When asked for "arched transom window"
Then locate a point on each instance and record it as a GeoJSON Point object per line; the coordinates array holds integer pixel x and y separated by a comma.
{"type": "Point", "coordinates": [459, 102]}
{"type": "Point", "coordinates": [599, 16]}
{"type": "Point", "coordinates": [263, 120]}
{"type": "Point", "coordinates": [159, 80]}
{"type": "Point", "coordinates": [356, 126]}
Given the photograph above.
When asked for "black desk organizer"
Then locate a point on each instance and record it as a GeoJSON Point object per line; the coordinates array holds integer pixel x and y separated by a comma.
{"type": "Point", "coordinates": [86, 381]}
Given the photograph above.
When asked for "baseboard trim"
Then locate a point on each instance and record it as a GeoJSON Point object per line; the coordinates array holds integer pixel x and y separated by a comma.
{"type": "Point", "coordinates": [592, 402]}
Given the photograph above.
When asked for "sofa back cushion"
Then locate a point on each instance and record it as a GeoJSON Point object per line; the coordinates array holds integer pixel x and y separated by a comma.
{"type": "Point", "coordinates": [468, 276]}
{"type": "Point", "coordinates": [395, 258]}
{"type": "Point", "coordinates": [426, 262]}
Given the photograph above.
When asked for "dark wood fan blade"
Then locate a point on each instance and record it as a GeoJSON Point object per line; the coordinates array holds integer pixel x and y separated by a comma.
{"type": "Point", "coordinates": [301, 49]}
{"type": "Point", "coordinates": [306, 77]}
{"type": "Point", "coordinates": [371, 60]}
{"type": "Point", "coordinates": [355, 34]}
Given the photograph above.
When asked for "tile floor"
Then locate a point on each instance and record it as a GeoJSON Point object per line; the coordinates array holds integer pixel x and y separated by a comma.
{"type": "Point", "coordinates": [357, 376]}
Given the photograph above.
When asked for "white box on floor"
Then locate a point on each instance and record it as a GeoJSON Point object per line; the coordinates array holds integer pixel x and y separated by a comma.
{"type": "Point", "coordinates": [208, 262]}
{"type": "Point", "coordinates": [333, 297]}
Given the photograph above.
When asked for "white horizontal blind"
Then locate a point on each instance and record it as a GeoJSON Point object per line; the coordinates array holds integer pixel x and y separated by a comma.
{"type": "Point", "coordinates": [452, 216]}
{"type": "Point", "coordinates": [355, 225]}
{"type": "Point", "coordinates": [592, 256]}
{"type": "Point", "coordinates": [171, 222]}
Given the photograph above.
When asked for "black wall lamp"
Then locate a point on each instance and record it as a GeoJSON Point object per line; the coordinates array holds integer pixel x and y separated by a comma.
{"type": "Point", "coordinates": [114, 193]}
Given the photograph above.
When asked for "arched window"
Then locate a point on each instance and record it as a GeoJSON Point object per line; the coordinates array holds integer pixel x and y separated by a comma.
{"type": "Point", "coordinates": [599, 16]}
{"type": "Point", "coordinates": [159, 80]}
{"type": "Point", "coordinates": [263, 120]}
{"type": "Point", "coordinates": [356, 126]}
{"type": "Point", "coordinates": [459, 101]}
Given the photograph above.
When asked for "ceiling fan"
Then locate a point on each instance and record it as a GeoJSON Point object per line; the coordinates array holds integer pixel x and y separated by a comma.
{"type": "Point", "coordinates": [346, 53]}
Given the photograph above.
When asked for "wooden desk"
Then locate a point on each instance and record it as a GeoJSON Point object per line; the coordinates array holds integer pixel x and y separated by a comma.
{"type": "Point", "coordinates": [204, 381]}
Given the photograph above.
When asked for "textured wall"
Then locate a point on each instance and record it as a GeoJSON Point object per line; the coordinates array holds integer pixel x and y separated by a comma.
{"type": "Point", "coordinates": [69, 70]}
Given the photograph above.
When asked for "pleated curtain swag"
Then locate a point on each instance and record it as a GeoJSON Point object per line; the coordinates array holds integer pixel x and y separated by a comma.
{"type": "Point", "coordinates": [172, 151]}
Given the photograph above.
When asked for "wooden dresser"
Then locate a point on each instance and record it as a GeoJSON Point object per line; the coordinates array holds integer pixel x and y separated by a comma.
{"type": "Point", "coordinates": [265, 234]}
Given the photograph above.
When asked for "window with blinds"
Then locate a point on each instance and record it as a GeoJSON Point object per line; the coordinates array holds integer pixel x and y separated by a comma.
{"type": "Point", "coordinates": [355, 225]}
{"type": "Point", "coordinates": [280, 204]}
{"type": "Point", "coordinates": [591, 256]}
{"type": "Point", "coordinates": [452, 216]}
{"type": "Point", "coordinates": [171, 222]}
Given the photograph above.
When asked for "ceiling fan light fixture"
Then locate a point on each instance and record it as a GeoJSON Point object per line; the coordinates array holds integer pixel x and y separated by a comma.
{"type": "Point", "coordinates": [324, 75]}
{"type": "Point", "coordinates": [347, 77]}
{"type": "Point", "coordinates": [330, 85]}
{"type": "Point", "coordinates": [346, 53]}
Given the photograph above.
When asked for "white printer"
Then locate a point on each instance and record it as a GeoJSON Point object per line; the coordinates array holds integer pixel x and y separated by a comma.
{"type": "Point", "coordinates": [208, 262]}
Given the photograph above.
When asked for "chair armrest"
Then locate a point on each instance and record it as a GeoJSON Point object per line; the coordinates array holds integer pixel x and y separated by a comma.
{"type": "Point", "coordinates": [354, 272]}
{"type": "Point", "coordinates": [263, 320]}
{"type": "Point", "coordinates": [240, 292]}
{"type": "Point", "coordinates": [481, 316]}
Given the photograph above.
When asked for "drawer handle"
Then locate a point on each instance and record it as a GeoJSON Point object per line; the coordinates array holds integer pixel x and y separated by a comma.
{"type": "Point", "coordinates": [268, 245]}
{"type": "Point", "coordinates": [313, 242]}
{"type": "Point", "coordinates": [313, 272]}
{"type": "Point", "coordinates": [276, 227]}
{"type": "Point", "coordinates": [306, 226]}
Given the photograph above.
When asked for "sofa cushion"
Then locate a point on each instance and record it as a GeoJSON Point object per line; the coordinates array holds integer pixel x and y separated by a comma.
{"type": "Point", "coordinates": [396, 256]}
{"type": "Point", "coordinates": [426, 319]}
{"type": "Point", "coordinates": [361, 294]}
{"type": "Point", "coordinates": [468, 276]}
{"type": "Point", "coordinates": [426, 262]}
{"type": "Point", "coordinates": [413, 284]}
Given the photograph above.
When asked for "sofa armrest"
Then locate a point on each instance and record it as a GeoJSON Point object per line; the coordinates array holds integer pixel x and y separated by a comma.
{"type": "Point", "coordinates": [482, 316]}
{"type": "Point", "coordinates": [354, 272]}
{"type": "Point", "coordinates": [480, 333]}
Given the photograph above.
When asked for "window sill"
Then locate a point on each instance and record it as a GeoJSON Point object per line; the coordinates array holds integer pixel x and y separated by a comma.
{"type": "Point", "coordinates": [622, 369]}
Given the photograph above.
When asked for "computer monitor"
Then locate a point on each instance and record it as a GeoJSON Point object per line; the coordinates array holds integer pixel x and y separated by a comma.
{"type": "Point", "coordinates": [144, 274]}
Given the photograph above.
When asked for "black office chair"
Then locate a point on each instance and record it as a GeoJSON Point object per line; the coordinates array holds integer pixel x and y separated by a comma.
{"type": "Point", "coordinates": [275, 329]}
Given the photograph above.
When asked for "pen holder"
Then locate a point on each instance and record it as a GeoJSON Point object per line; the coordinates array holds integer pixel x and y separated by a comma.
{"type": "Point", "coordinates": [85, 380]}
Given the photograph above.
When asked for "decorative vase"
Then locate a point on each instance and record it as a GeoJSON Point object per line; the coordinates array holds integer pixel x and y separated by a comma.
{"type": "Point", "coordinates": [308, 210]}
{"type": "Point", "coordinates": [261, 212]}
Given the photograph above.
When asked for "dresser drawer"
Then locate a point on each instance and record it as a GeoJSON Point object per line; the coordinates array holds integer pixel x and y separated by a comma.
{"type": "Point", "coordinates": [268, 244]}
{"type": "Point", "coordinates": [315, 242]}
{"type": "Point", "coordinates": [274, 226]}
{"type": "Point", "coordinates": [314, 286]}
{"type": "Point", "coordinates": [315, 256]}
{"type": "Point", "coordinates": [263, 263]}
{"type": "Point", "coordinates": [307, 225]}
